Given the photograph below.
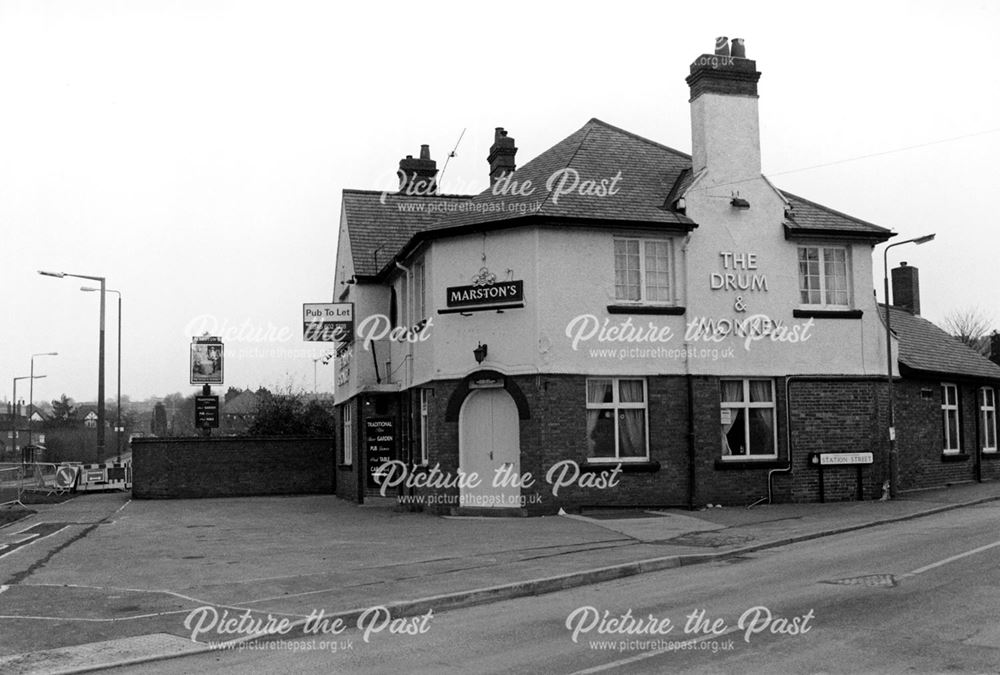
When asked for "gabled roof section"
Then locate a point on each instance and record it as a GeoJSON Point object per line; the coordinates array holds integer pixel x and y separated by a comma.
{"type": "Point", "coordinates": [809, 219]}
{"type": "Point", "coordinates": [597, 152]}
{"type": "Point", "coordinates": [652, 178]}
{"type": "Point", "coordinates": [380, 224]}
{"type": "Point", "coordinates": [926, 349]}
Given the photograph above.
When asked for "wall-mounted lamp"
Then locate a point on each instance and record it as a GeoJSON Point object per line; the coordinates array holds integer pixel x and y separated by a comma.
{"type": "Point", "coordinates": [480, 352]}
{"type": "Point", "coordinates": [739, 203]}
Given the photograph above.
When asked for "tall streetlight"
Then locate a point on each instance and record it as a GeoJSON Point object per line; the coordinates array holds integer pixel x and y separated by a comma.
{"type": "Point", "coordinates": [13, 411]}
{"type": "Point", "coordinates": [893, 453]}
{"type": "Point", "coordinates": [31, 389]}
{"type": "Point", "coordinates": [100, 357]}
{"type": "Point", "coordinates": [118, 423]}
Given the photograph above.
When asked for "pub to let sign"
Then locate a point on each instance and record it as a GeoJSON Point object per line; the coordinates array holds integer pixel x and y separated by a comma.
{"type": "Point", "coordinates": [327, 321]}
{"type": "Point", "coordinates": [501, 292]}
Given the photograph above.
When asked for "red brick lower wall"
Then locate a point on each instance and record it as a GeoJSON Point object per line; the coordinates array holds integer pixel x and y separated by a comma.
{"type": "Point", "coordinates": [920, 437]}
{"type": "Point", "coordinates": [823, 415]}
{"type": "Point", "coordinates": [167, 468]}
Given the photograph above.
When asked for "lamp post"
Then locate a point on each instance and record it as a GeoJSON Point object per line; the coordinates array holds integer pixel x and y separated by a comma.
{"type": "Point", "coordinates": [31, 389]}
{"type": "Point", "coordinates": [13, 411]}
{"type": "Point", "coordinates": [100, 357]}
{"type": "Point", "coordinates": [893, 453]}
{"type": "Point", "coordinates": [118, 422]}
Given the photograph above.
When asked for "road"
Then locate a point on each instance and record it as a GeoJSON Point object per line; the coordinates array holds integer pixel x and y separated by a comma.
{"type": "Point", "coordinates": [922, 596]}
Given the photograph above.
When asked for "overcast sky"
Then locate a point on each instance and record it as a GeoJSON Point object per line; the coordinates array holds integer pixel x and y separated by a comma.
{"type": "Point", "coordinates": [194, 152]}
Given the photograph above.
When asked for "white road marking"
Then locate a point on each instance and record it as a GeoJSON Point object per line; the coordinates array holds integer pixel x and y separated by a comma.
{"type": "Point", "coordinates": [19, 548]}
{"type": "Point", "coordinates": [651, 654]}
{"type": "Point", "coordinates": [953, 558]}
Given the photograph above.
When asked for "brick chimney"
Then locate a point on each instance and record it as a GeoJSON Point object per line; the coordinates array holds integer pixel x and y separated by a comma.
{"type": "Point", "coordinates": [995, 347]}
{"type": "Point", "coordinates": [906, 288]}
{"type": "Point", "coordinates": [725, 130]}
{"type": "Point", "coordinates": [418, 176]}
{"type": "Point", "coordinates": [501, 157]}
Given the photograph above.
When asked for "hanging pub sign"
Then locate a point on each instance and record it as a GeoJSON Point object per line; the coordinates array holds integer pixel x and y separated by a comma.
{"type": "Point", "coordinates": [206, 360]}
{"type": "Point", "coordinates": [499, 293]}
{"type": "Point", "coordinates": [380, 446]}
{"type": "Point", "coordinates": [327, 321]}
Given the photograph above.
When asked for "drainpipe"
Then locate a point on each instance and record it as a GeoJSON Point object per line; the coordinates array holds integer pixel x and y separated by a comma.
{"type": "Point", "coordinates": [409, 319]}
{"type": "Point", "coordinates": [788, 437]}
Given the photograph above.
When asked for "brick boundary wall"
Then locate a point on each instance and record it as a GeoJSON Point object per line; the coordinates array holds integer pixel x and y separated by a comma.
{"type": "Point", "coordinates": [177, 468]}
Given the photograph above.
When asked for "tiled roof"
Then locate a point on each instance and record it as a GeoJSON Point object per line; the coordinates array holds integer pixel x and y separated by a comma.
{"type": "Point", "coordinates": [807, 215]}
{"type": "Point", "coordinates": [596, 152]}
{"type": "Point", "coordinates": [378, 231]}
{"type": "Point", "coordinates": [652, 176]}
{"type": "Point", "coordinates": [925, 347]}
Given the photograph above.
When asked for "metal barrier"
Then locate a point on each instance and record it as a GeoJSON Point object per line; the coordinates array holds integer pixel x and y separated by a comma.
{"type": "Point", "coordinates": [11, 482]}
{"type": "Point", "coordinates": [47, 478]}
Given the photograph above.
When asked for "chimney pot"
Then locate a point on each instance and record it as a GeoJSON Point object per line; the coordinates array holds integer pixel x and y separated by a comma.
{"type": "Point", "coordinates": [722, 46]}
{"type": "Point", "coordinates": [425, 151]}
{"type": "Point", "coordinates": [739, 49]}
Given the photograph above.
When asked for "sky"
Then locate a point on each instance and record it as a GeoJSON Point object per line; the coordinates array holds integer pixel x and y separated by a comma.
{"type": "Point", "coordinates": [194, 152]}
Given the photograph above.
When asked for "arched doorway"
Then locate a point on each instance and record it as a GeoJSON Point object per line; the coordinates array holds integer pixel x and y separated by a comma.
{"type": "Point", "coordinates": [489, 442]}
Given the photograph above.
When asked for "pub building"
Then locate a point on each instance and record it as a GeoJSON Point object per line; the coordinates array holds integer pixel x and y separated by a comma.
{"type": "Point", "coordinates": [617, 323]}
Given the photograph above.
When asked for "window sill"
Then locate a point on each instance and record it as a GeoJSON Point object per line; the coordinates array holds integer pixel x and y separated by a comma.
{"type": "Point", "coordinates": [644, 466]}
{"type": "Point", "coordinates": [827, 313]}
{"type": "Point", "coordinates": [744, 464]}
{"type": "Point", "coordinates": [954, 457]}
{"type": "Point", "coordinates": [665, 310]}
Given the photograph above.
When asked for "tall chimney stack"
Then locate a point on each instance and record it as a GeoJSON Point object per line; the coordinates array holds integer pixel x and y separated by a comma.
{"type": "Point", "coordinates": [725, 130]}
{"type": "Point", "coordinates": [501, 157]}
{"type": "Point", "coordinates": [906, 288]}
{"type": "Point", "coordinates": [418, 176]}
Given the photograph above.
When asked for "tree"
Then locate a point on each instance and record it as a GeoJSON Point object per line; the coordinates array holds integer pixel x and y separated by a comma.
{"type": "Point", "coordinates": [290, 414]}
{"type": "Point", "coordinates": [63, 410]}
{"type": "Point", "coordinates": [971, 326]}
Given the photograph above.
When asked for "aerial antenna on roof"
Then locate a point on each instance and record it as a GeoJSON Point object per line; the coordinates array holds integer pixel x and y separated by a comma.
{"type": "Point", "coordinates": [448, 158]}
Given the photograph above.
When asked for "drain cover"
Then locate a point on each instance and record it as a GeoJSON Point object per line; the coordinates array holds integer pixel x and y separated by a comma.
{"type": "Point", "coordinates": [871, 580]}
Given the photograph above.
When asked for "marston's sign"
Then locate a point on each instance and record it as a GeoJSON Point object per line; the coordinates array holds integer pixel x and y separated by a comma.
{"type": "Point", "coordinates": [502, 292]}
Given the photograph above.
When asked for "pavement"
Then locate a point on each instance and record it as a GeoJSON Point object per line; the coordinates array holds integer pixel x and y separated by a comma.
{"type": "Point", "coordinates": [101, 580]}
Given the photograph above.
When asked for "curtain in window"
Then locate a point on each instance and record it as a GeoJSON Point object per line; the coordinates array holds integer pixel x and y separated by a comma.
{"type": "Point", "coordinates": [632, 433]}
{"type": "Point", "coordinates": [600, 423]}
{"type": "Point", "coordinates": [657, 271]}
{"type": "Point", "coordinates": [732, 392]}
{"type": "Point", "coordinates": [835, 272]}
{"type": "Point", "coordinates": [630, 391]}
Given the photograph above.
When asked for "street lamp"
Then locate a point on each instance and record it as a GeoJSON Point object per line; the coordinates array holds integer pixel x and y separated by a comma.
{"type": "Point", "coordinates": [893, 453]}
{"type": "Point", "coordinates": [13, 411]}
{"type": "Point", "coordinates": [31, 389]}
{"type": "Point", "coordinates": [118, 423]}
{"type": "Point", "coordinates": [100, 358]}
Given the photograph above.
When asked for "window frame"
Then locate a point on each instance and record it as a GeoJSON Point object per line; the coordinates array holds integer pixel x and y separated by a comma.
{"type": "Point", "coordinates": [947, 408]}
{"type": "Point", "coordinates": [419, 291]}
{"type": "Point", "coordinates": [746, 405]}
{"type": "Point", "coordinates": [988, 418]}
{"type": "Point", "coordinates": [424, 401]}
{"type": "Point", "coordinates": [346, 418]}
{"type": "Point", "coordinates": [671, 271]}
{"type": "Point", "coordinates": [616, 405]}
{"type": "Point", "coordinates": [848, 277]}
